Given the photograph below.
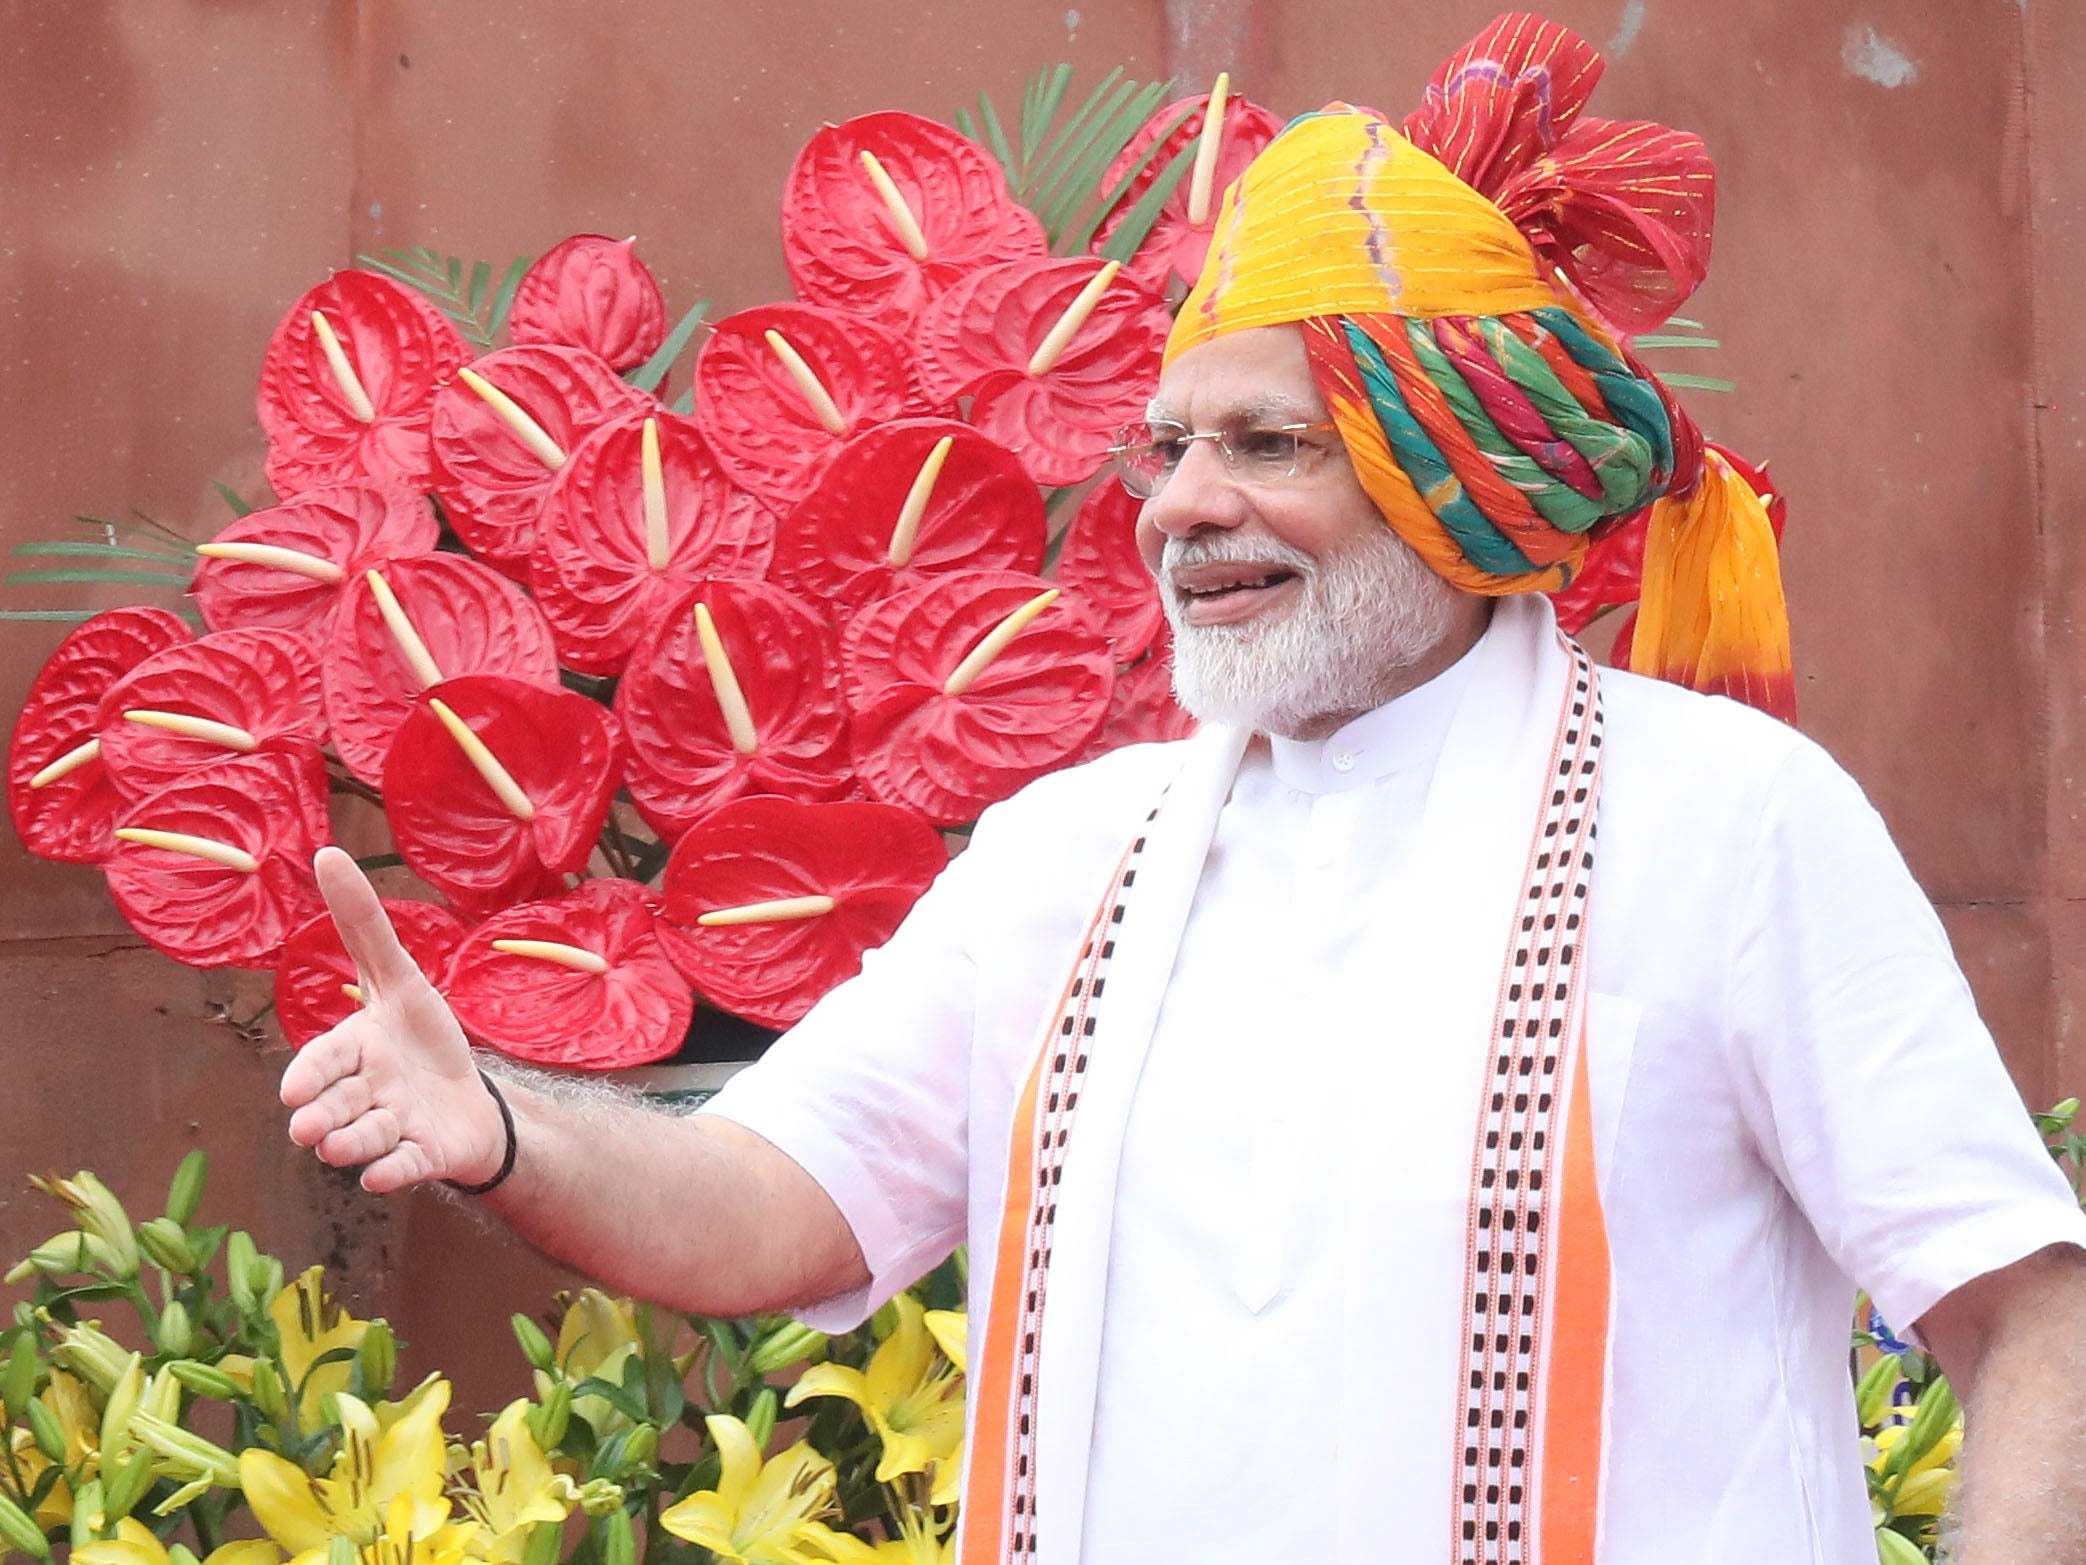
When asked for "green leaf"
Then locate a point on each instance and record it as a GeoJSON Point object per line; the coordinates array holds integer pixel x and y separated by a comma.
{"type": "Point", "coordinates": [995, 136]}
{"type": "Point", "coordinates": [132, 578]}
{"type": "Point", "coordinates": [330, 1356]}
{"type": "Point", "coordinates": [685, 402]}
{"type": "Point", "coordinates": [231, 498]}
{"type": "Point", "coordinates": [616, 1397]}
{"type": "Point", "coordinates": [1137, 223]}
{"type": "Point", "coordinates": [503, 301]}
{"type": "Point", "coordinates": [1036, 117]}
{"type": "Point", "coordinates": [481, 279]}
{"type": "Point", "coordinates": [1113, 196]}
{"type": "Point", "coordinates": [1700, 382]}
{"type": "Point", "coordinates": [56, 616]}
{"type": "Point", "coordinates": [1682, 320]}
{"type": "Point", "coordinates": [95, 551]}
{"type": "Point", "coordinates": [647, 376]}
{"type": "Point", "coordinates": [967, 125]}
{"type": "Point", "coordinates": [1050, 187]}
{"type": "Point", "coordinates": [1668, 340]}
{"type": "Point", "coordinates": [1045, 164]}
{"type": "Point", "coordinates": [1083, 178]}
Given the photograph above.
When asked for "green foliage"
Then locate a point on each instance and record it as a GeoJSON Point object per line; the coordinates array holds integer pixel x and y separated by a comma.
{"type": "Point", "coordinates": [461, 290]}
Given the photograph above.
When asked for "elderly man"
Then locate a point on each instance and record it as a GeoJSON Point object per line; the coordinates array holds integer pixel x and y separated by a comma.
{"type": "Point", "coordinates": [1350, 1169]}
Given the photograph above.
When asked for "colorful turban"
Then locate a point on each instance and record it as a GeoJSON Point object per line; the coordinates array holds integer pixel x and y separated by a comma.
{"type": "Point", "coordinates": [1465, 288]}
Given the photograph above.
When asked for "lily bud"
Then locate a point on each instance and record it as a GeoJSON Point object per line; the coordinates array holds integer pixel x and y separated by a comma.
{"type": "Point", "coordinates": [269, 1394]}
{"type": "Point", "coordinates": [641, 1446]}
{"type": "Point", "coordinates": [176, 1333]}
{"type": "Point", "coordinates": [548, 1420]}
{"type": "Point", "coordinates": [1931, 1419]}
{"type": "Point", "coordinates": [2065, 1112]}
{"type": "Point", "coordinates": [340, 1551]}
{"type": "Point", "coordinates": [618, 1546]}
{"type": "Point", "coordinates": [240, 1261]}
{"type": "Point", "coordinates": [162, 1398]}
{"type": "Point", "coordinates": [87, 1513]}
{"type": "Point", "coordinates": [187, 1455]}
{"type": "Point", "coordinates": [122, 1404]}
{"type": "Point", "coordinates": [43, 1426]}
{"type": "Point", "coordinates": [535, 1345]}
{"type": "Point", "coordinates": [122, 1489]}
{"type": "Point", "coordinates": [377, 1358]}
{"type": "Point", "coordinates": [18, 1381]}
{"type": "Point", "coordinates": [185, 1193]}
{"type": "Point", "coordinates": [166, 1242]}
{"type": "Point", "coordinates": [546, 1545]}
{"type": "Point", "coordinates": [268, 1280]}
{"type": "Point", "coordinates": [67, 1254]}
{"type": "Point", "coordinates": [760, 1418]}
{"type": "Point", "coordinates": [599, 1496]}
{"type": "Point", "coordinates": [22, 1533]}
{"type": "Point", "coordinates": [98, 1212]}
{"type": "Point", "coordinates": [1872, 1391]}
{"type": "Point", "coordinates": [181, 1554]}
{"type": "Point", "coordinates": [91, 1353]}
{"type": "Point", "coordinates": [788, 1344]}
{"type": "Point", "coordinates": [204, 1379]}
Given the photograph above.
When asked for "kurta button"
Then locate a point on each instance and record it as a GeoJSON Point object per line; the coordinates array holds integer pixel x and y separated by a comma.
{"type": "Point", "coordinates": [1343, 760]}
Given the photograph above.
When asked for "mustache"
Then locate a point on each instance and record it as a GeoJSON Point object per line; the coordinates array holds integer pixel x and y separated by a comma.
{"type": "Point", "coordinates": [1179, 553]}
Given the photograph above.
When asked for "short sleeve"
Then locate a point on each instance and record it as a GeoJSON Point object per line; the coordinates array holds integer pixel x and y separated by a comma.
{"type": "Point", "coordinates": [869, 1095]}
{"type": "Point", "coordinates": [1873, 1087]}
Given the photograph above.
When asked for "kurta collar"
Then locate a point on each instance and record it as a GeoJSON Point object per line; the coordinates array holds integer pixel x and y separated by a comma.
{"type": "Point", "coordinates": [1404, 734]}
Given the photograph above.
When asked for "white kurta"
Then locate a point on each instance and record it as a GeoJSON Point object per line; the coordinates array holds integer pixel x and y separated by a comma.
{"type": "Point", "coordinates": [1273, 1366]}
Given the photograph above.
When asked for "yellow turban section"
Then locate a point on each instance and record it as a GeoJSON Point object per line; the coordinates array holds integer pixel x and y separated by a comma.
{"type": "Point", "coordinates": [1341, 215]}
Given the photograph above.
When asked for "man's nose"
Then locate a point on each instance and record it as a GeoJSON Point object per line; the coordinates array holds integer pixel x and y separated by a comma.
{"type": "Point", "coordinates": [1200, 494]}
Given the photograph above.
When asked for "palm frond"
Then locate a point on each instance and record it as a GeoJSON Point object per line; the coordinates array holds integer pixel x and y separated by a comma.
{"type": "Point", "coordinates": [458, 291]}
{"type": "Point", "coordinates": [648, 375]}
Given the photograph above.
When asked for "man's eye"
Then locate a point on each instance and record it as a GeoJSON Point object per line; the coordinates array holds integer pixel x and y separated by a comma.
{"type": "Point", "coordinates": [1265, 445]}
{"type": "Point", "coordinates": [1168, 453]}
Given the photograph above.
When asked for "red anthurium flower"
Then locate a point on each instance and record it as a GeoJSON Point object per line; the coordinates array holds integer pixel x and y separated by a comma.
{"type": "Point", "coordinates": [233, 692]}
{"type": "Point", "coordinates": [316, 985]}
{"type": "Point", "coordinates": [284, 566]}
{"type": "Point", "coordinates": [504, 427]}
{"type": "Point", "coordinates": [1180, 239]}
{"type": "Point", "coordinates": [1100, 560]}
{"type": "Point", "coordinates": [58, 788]}
{"type": "Point", "coordinates": [896, 506]}
{"type": "Point", "coordinates": [497, 788]}
{"type": "Point", "coordinates": [215, 869]}
{"type": "Point", "coordinates": [591, 292]}
{"type": "Point", "coordinates": [776, 407]}
{"type": "Point", "coordinates": [770, 902]}
{"type": "Point", "coordinates": [850, 244]}
{"type": "Point", "coordinates": [581, 980]}
{"type": "Point", "coordinates": [616, 549]}
{"type": "Point", "coordinates": [1053, 398]}
{"type": "Point", "coordinates": [350, 400]}
{"type": "Point", "coordinates": [957, 700]}
{"type": "Point", "coordinates": [1143, 710]}
{"type": "Point", "coordinates": [756, 710]}
{"type": "Point", "coordinates": [454, 617]}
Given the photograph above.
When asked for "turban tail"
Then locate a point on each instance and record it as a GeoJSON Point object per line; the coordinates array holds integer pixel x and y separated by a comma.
{"type": "Point", "coordinates": [1456, 284]}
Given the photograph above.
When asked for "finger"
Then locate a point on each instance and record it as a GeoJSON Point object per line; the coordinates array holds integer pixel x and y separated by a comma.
{"type": "Point", "coordinates": [338, 1105]}
{"type": "Point", "coordinates": [405, 1164]}
{"type": "Point", "coordinates": [365, 929]}
{"type": "Point", "coordinates": [335, 1053]}
{"type": "Point", "coordinates": [363, 1141]}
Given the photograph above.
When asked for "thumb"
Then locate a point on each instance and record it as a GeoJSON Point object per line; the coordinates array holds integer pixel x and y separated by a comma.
{"type": "Point", "coordinates": [365, 929]}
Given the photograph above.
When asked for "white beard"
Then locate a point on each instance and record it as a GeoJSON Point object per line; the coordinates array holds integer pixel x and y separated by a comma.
{"type": "Point", "coordinates": [1366, 613]}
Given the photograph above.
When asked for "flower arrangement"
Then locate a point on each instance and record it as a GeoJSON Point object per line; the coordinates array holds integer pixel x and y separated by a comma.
{"type": "Point", "coordinates": [671, 705]}
{"type": "Point", "coordinates": [258, 1421]}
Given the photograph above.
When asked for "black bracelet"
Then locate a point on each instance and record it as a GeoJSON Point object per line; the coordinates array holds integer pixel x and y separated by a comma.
{"type": "Point", "coordinates": [507, 1162]}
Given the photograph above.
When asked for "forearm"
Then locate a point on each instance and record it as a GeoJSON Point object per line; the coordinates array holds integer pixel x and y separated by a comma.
{"type": "Point", "coordinates": [692, 1212]}
{"type": "Point", "coordinates": [2024, 1423]}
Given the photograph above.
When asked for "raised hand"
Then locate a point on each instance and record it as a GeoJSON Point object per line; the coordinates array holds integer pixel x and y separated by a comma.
{"type": "Point", "coordinates": [393, 1087]}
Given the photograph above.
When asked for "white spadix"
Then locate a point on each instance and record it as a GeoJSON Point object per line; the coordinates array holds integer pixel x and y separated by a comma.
{"type": "Point", "coordinates": [410, 646]}
{"type": "Point", "coordinates": [308, 565]}
{"type": "Point", "coordinates": [487, 765]}
{"type": "Point", "coordinates": [903, 220]}
{"type": "Point", "coordinates": [203, 728]}
{"type": "Point", "coordinates": [71, 761]}
{"type": "Point", "coordinates": [195, 847]}
{"type": "Point", "coordinates": [907, 532]}
{"type": "Point", "coordinates": [821, 400]}
{"type": "Point", "coordinates": [343, 372]}
{"type": "Point", "coordinates": [781, 911]}
{"type": "Point", "coordinates": [1045, 358]}
{"type": "Point", "coordinates": [724, 680]}
{"type": "Point", "coordinates": [1203, 180]}
{"type": "Point", "coordinates": [653, 472]}
{"type": "Point", "coordinates": [995, 642]}
{"type": "Point", "coordinates": [515, 417]}
{"type": "Point", "coordinates": [578, 958]}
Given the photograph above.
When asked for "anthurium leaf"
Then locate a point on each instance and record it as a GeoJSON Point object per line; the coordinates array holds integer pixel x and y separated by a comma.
{"type": "Point", "coordinates": [54, 616]}
{"type": "Point", "coordinates": [1046, 164]}
{"type": "Point", "coordinates": [1037, 114]}
{"type": "Point", "coordinates": [503, 301]}
{"type": "Point", "coordinates": [996, 136]}
{"type": "Point", "coordinates": [1063, 178]}
{"type": "Point", "coordinates": [1083, 177]}
{"type": "Point", "coordinates": [1125, 240]}
{"type": "Point", "coordinates": [647, 376]}
{"type": "Point", "coordinates": [481, 279]}
{"type": "Point", "coordinates": [231, 498]}
{"type": "Point", "coordinates": [131, 578]}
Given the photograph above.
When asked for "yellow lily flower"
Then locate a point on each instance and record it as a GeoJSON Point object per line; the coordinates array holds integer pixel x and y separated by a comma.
{"type": "Point", "coordinates": [951, 1332]}
{"type": "Point", "coordinates": [597, 1336]}
{"type": "Point", "coordinates": [73, 1409]}
{"type": "Point", "coordinates": [311, 1322]}
{"type": "Point", "coordinates": [95, 1208]}
{"type": "Point", "coordinates": [374, 1469]}
{"type": "Point", "coordinates": [915, 1403]}
{"type": "Point", "coordinates": [512, 1487]}
{"type": "Point", "coordinates": [134, 1544]}
{"type": "Point", "coordinates": [916, 1544]}
{"type": "Point", "coordinates": [758, 1513]}
{"type": "Point", "coordinates": [418, 1534]}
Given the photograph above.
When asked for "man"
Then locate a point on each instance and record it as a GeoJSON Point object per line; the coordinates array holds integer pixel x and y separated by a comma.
{"type": "Point", "coordinates": [1350, 1168]}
